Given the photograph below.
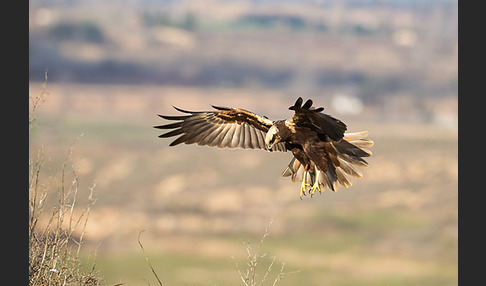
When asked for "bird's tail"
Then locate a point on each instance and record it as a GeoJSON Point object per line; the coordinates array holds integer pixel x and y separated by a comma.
{"type": "Point", "coordinates": [342, 160]}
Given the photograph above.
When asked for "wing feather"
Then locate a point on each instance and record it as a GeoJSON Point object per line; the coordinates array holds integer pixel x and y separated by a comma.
{"type": "Point", "coordinates": [254, 138]}
{"type": "Point", "coordinates": [235, 140]}
{"type": "Point", "coordinates": [241, 143]}
{"type": "Point", "coordinates": [280, 146]}
{"type": "Point", "coordinates": [179, 140]}
{"type": "Point", "coordinates": [171, 133]}
{"type": "Point", "coordinates": [223, 127]}
{"type": "Point", "coordinates": [203, 131]}
{"type": "Point", "coordinates": [169, 126]}
{"type": "Point", "coordinates": [261, 140]}
{"type": "Point", "coordinates": [226, 140]}
{"type": "Point", "coordinates": [244, 142]}
{"type": "Point", "coordinates": [321, 123]}
{"type": "Point", "coordinates": [223, 132]}
{"type": "Point", "coordinates": [211, 138]}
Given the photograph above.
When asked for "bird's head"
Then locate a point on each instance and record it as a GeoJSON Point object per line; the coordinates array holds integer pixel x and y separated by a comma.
{"type": "Point", "coordinates": [272, 137]}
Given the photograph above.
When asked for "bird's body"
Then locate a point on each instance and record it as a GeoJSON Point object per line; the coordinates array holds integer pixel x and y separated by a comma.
{"type": "Point", "coordinates": [324, 155]}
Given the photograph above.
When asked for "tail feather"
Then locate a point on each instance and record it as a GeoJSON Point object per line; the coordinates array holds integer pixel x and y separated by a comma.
{"type": "Point", "coordinates": [342, 160]}
{"type": "Point", "coordinates": [292, 168]}
{"type": "Point", "coordinates": [297, 176]}
{"type": "Point", "coordinates": [343, 178]}
{"type": "Point", "coordinates": [358, 140]}
{"type": "Point", "coordinates": [362, 143]}
{"type": "Point", "coordinates": [330, 179]}
{"type": "Point", "coordinates": [355, 135]}
{"type": "Point", "coordinates": [346, 147]}
{"type": "Point", "coordinates": [349, 168]}
{"type": "Point", "coordinates": [354, 160]}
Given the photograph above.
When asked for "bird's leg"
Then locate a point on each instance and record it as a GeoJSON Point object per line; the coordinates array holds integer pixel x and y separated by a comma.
{"type": "Point", "coordinates": [304, 185]}
{"type": "Point", "coordinates": [316, 186]}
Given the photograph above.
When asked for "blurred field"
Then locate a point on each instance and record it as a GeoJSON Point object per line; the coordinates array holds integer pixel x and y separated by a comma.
{"type": "Point", "coordinates": [199, 206]}
{"type": "Point", "coordinates": [113, 67]}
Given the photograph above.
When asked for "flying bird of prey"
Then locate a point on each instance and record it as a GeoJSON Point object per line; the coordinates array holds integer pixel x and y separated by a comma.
{"type": "Point", "coordinates": [324, 154]}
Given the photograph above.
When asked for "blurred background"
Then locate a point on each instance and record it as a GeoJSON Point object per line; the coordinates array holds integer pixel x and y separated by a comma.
{"type": "Point", "coordinates": [389, 67]}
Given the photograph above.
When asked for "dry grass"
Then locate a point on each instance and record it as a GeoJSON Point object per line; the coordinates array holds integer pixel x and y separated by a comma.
{"type": "Point", "coordinates": [54, 248]}
{"type": "Point", "coordinates": [148, 260]}
{"type": "Point", "coordinates": [254, 261]}
{"type": "Point", "coordinates": [250, 277]}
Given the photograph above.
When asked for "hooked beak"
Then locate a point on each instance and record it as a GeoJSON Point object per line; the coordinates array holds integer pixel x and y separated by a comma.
{"type": "Point", "coordinates": [269, 147]}
{"type": "Point", "coordinates": [271, 138]}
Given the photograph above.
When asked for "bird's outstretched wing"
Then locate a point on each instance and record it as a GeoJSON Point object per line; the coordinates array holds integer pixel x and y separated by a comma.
{"type": "Point", "coordinates": [323, 124]}
{"type": "Point", "coordinates": [223, 127]}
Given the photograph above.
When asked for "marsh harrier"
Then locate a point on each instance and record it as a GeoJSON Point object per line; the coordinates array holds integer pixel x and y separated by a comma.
{"type": "Point", "coordinates": [325, 155]}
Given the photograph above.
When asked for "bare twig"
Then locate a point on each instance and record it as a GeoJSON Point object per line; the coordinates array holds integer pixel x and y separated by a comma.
{"type": "Point", "coordinates": [35, 205]}
{"type": "Point", "coordinates": [146, 258]}
{"type": "Point", "coordinates": [52, 261]}
{"type": "Point", "coordinates": [268, 270]}
{"type": "Point", "coordinates": [253, 259]}
{"type": "Point", "coordinates": [91, 202]}
{"type": "Point", "coordinates": [38, 100]}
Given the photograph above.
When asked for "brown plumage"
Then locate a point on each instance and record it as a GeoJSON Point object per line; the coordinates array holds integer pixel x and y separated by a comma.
{"type": "Point", "coordinates": [324, 155]}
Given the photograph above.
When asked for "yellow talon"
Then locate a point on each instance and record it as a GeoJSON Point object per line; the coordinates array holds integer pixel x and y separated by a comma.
{"type": "Point", "coordinates": [317, 184]}
{"type": "Point", "coordinates": [315, 187]}
{"type": "Point", "coordinates": [304, 185]}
